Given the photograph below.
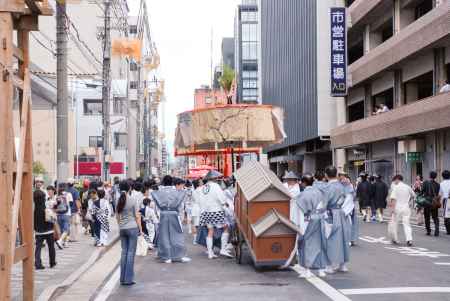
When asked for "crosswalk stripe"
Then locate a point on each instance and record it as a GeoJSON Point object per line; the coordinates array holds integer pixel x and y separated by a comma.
{"type": "Point", "coordinates": [394, 290]}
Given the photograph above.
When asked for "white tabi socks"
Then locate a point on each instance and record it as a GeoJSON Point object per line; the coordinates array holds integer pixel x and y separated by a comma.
{"type": "Point", "coordinates": [209, 246]}
{"type": "Point", "coordinates": [224, 244]}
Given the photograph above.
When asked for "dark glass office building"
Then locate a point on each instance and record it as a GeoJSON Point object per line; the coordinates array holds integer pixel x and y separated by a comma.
{"type": "Point", "coordinates": [294, 63]}
{"type": "Point", "coordinates": [246, 52]}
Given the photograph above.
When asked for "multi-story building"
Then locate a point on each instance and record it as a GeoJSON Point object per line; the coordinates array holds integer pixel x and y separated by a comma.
{"type": "Point", "coordinates": [84, 51]}
{"type": "Point", "coordinates": [399, 56]}
{"type": "Point", "coordinates": [294, 74]}
{"type": "Point", "coordinates": [246, 52]}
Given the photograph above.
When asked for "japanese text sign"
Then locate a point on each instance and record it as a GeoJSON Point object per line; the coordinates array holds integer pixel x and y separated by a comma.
{"type": "Point", "coordinates": [338, 51]}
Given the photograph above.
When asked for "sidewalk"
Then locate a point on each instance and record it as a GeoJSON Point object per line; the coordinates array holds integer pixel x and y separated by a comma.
{"type": "Point", "coordinates": [68, 261]}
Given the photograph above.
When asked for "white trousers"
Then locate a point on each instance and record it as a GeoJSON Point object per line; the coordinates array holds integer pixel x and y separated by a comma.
{"type": "Point", "coordinates": [74, 226]}
{"type": "Point", "coordinates": [151, 231]}
{"type": "Point", "coordinates": [104, 237]}
{"type": "Point", "coordinates": [403, 215]}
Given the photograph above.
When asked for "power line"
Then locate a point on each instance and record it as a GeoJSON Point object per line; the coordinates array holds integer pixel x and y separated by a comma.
{"type": "Point", "coordinates": [54, 54]}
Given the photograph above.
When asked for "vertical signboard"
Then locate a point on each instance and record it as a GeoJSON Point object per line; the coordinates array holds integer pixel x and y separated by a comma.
{"type": "Point", "coordinates": [338, 51]}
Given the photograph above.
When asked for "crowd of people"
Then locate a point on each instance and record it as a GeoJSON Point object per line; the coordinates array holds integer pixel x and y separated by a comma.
{"type": "Point", "coordinates": [152, 209]}
{"type": "Point", "coordinates": [63, 210]}
{"type": "Point", "coordinates": [325, 207]}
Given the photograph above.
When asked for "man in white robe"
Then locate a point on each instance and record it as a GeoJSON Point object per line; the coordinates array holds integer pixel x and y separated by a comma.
{"type": "Point", "coordinates": [291, 183]}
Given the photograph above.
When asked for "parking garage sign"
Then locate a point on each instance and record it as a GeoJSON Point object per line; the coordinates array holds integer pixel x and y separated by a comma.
{"type": "Point", "coordinates": [338, 51]}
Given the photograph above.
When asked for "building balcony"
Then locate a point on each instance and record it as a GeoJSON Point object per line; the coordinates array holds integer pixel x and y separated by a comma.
{"type": "Point", "coordinates": [431, 30]}
{"type": "Point", "coordinates": [361, 8]}
{"type": "Point", "coordinates": [422, 116]}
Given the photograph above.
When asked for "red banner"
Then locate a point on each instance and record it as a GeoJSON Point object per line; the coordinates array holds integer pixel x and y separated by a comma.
{"type": "Point", "coordinates": [88, 168]}
{"type": "Point", "coordinates": [116, 168]}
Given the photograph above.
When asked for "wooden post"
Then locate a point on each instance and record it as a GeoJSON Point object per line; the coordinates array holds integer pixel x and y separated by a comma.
{"type": "Point", "coordinates": [27, 215]}
{"type": "Point", "coordinates": [16, 194]}
{"type": "Point", "coordinates": [6, 153]}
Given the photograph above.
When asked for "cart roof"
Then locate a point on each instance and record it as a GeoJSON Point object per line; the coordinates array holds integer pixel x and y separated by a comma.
{"type": "Point", "coordinates": [254, 178]}
{"type": "Point", "coordinates": [271, 219]}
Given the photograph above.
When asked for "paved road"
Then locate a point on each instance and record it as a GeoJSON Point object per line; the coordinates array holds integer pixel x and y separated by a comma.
{"type": "Point", "coordinates": [68, 260]}
{"type": "Point", "coordinates": [375, 264]}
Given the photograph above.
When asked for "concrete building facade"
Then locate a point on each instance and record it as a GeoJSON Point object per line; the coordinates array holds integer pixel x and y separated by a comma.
{"type": "Point", "coordinates": [399, 56]}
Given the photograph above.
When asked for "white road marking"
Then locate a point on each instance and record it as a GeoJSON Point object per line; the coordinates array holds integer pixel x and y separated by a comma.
{"type": "Point", "coordinates": [442, 263]}
{"type": "Point", "coordinates": [409, 251]}
{"type": "Point", "coordinates": [370, 239]}
{"type": "Point", "coordinates": [109, 286]}
{"type": "Point", "coordinates": [395, 290]}
{"type": "Point", "coordinates": [322, 286]}
{"type": "Point", "coordinates": [415, 251]}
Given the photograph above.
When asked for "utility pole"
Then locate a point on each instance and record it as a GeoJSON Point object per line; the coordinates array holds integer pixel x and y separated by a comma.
{"type": "Point", "coordinates": [106, 89]}
{"type": "Point", "coordinates": [62, 108]}
{"type": "Point", "coordinates": [147, 171]}
{"type": "Point", "coordinates": [138, 119]}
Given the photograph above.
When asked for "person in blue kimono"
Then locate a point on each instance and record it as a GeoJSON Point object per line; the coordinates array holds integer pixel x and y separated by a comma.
{"type": "Point", "coordinates": [339, 228]}
{"type": "Point", "coordinates": [170, 241]}
{"type": "Point", "coordinates": [319, 181]}
{"type": "Point", "coordinates": [311, 240]}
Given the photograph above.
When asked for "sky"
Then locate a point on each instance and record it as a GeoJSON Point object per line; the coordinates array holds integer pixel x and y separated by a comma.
{"type": "Point", "coordinates": [182, 30]}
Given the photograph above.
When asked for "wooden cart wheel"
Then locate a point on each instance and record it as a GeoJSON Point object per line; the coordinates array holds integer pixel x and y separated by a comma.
{"type": "Point", "coordinates": [239, 252]}
{"type": "Point", "coordinates": [237, 247]}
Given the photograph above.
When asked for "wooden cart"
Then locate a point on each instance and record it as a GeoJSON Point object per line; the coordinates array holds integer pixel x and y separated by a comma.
{"type": "Point", "coordinates": [262, 215]}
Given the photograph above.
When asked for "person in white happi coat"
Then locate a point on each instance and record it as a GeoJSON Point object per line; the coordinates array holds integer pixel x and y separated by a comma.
{"type": "Point", "coordinates": [291, 183]}
{"type": "Point", "coordinates": [400, 198]}
{"type": "Point", "coordinates": [212, 201]}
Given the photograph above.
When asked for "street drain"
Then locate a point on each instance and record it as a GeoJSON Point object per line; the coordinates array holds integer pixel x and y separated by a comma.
{"type": "Point", "coordinates": [265, 284]}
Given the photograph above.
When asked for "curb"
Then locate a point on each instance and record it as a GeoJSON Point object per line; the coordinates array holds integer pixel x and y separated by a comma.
{"type": "Point", "coordinates": [52, 291]}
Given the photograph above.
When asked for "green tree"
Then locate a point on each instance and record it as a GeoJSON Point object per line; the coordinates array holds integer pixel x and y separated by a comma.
{"type": "Point", "coordinates": [226, 80]}
{"type": "Point", "coordinates": [38, 168]}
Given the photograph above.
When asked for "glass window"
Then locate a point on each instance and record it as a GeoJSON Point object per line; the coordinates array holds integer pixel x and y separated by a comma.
{"type": "Point", "coordinates": [249, 92]}
{"type": "Point", "coordinates": [95, 141]}
{"type": "Point", "coordinates": [133, 85]}
{"type": "Point", "coordinates": [250, 83]}
{"type": "Point", "coordinates": [249, 16]}
{"type": "Point", "coordinates": [133, 29]}
{"type": "Point", "coordinates": [92, 106]}
{"type": "Point", "coordinates": [249, 74]}
{"type": "Point", "coordinates": [120, 140]}
{"type": "Point", "coordinates": [119, 105]}
{"type": "Point", "coordinates": [249, 50]}
{"type": "Point", "coordinates": [249, 32]}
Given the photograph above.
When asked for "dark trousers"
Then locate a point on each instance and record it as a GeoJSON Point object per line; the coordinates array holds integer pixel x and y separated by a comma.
{"type": "Point", "coordinates": [427, 212]}
{"type": "Point", "coordinates": [51, 249]}
{"type": "Point", "coordinates": [447, 225]}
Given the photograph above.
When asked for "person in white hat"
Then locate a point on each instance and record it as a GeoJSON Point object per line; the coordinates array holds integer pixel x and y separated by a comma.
{"type": "Point", "coordinates": [39, 184]}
